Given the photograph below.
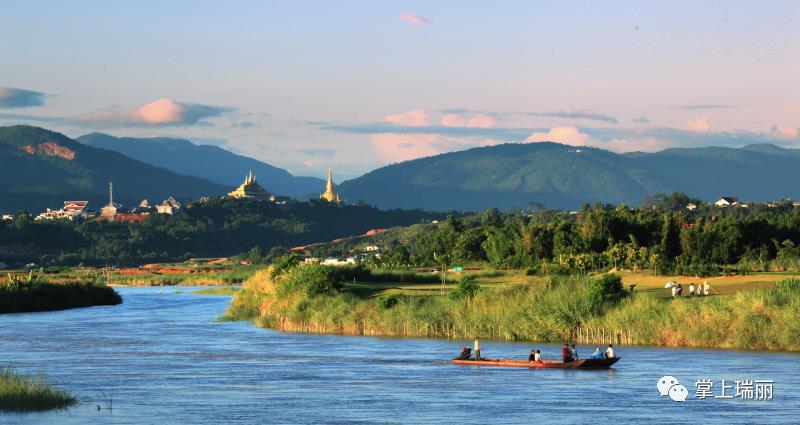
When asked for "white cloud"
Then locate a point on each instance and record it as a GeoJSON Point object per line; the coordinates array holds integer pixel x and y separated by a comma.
{"type": "Point", "coordinates": [785, 132]}
{"type": "Point", "coordinates": [413, 118]}
{"type": "Point", "coordinates": [159, 113]}
{"type": "Point", "coordinates": [699, 125]}
{"type": "Point", "coordinates": [414, 19]}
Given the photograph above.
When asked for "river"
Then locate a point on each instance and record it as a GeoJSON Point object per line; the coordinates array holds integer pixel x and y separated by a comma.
{"type": "Point", "coordinates": [162, 359]}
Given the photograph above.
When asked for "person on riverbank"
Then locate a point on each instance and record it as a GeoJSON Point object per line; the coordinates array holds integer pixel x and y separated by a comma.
{"type": "Point", "coordinates": [691, 289]}
{"type": "Point", "coordinates": [680, 290]}
{"type": "Point", "coordinates": [674, 291]}
{"type": "Point", "coordinates": [477, 347]}
{"type": "Point", "coordinates": [597, 353]}
{"type": "Point", "coordinates": [610, 351]}
{"type": "Point", "coordinates": [565, 353]}
{"type": "Point", "coordinates": [573, 352]}
{"type": "Point", "coordinates": [706, 288]}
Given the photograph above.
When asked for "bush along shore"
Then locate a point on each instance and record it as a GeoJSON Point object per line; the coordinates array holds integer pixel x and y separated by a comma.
{"type": "Point", "coordinates": [25, 393]}
{"type": "Point", "coordinates": [20, 294]}
{"type": "Point", "coordinates": [590, 310]}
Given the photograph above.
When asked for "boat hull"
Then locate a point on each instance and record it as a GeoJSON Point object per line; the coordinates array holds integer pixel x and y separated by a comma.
{"type": "Point", "coordinates": [603, 363]}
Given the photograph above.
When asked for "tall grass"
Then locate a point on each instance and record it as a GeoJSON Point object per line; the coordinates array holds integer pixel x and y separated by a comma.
{"type": "Point", "coordinates": [760, 319]}
{"type": "Point", "coordinates": [25, 393]}
{"type": "Point", "coordinates": [556, 309]}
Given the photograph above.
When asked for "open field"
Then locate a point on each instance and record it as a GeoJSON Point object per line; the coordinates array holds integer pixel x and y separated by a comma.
{"type": "Point", "coordinates": [645, 282]}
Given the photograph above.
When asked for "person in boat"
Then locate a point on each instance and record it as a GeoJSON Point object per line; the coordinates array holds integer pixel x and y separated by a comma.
{"type": "Point", "coordinates": [466, 352]}
{"type": "Point", "coordinates": [532, 356]}
{"type": "Point", "coordinates": [573, 352]}
{"type": "Point", "coordinates": [565, 353]}
{"type": "Point", "coordinates": [610, 351]}
{"type": "Point", "coordinates": [477, 346]}
{"type": "Point", "coordinates": [537, 356]}
{"type": "Point", "coordinates": [597, 353]}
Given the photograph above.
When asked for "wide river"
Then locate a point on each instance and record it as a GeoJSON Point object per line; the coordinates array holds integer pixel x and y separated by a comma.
{"type": "Point", "coordinates": [163, 359]}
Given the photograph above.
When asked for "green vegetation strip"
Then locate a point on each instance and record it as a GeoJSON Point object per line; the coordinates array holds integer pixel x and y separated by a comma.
{"type": "Point", "coordinates": [311, 298]}
{"type": "Point", "coordinates": [25, 393]}
{"type": "Point", "coordinates": [21, 296]}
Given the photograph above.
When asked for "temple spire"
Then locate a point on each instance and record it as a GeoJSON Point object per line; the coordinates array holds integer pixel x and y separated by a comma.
{"type": "Point", "coordinates": [330, 195]}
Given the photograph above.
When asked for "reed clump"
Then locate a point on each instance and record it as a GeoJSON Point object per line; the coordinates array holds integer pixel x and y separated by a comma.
{"type": "Point", "coordinates": [30, 295]}
{"type": "Point", "coordinates": [26, 393]}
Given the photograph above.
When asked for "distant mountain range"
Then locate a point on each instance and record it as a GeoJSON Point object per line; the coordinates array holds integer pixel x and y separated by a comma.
{"type": "Point", "coordinates": [562, 176]}
{"type": "Point", "coordinates": [208, 162]}
{"type": "Point", "coordinates": [40, 169]}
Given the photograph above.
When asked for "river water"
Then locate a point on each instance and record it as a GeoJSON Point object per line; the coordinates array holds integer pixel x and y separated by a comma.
{"type": "Point", "coordinates": [162, 359]}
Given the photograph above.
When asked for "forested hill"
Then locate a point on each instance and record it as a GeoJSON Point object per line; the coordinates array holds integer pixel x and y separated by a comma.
{"type": "Point", "coordinates": [562, 176]}
{"type": "Point", "coordinates": [42, 168]}
{"type": "Point", "coordinates": [217, 228]}
{"type": "Point", "coordinates": [208, 162]}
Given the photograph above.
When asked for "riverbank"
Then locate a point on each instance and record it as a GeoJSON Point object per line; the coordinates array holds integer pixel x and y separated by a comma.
{"type": "Point", "coordinates": [25, 393]}
{"type": "Point", "coordinates": [546, 309]}
{"type": "Point", "coordinates": [21, 297]}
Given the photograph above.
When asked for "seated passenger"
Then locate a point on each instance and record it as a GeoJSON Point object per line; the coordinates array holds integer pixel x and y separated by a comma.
{"type": "Point", "coordinates": [537, 357]}
{"type": "Point", "coordinates": [565, 357]}
{"type": "Point", "coordinates": [610, 351]}
{"type": "Point", "coordinates": [597, 354]}
{"type": "Point", "coordinates": [532, 356]}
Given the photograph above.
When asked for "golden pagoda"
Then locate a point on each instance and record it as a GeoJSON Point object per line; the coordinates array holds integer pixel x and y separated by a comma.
{"type": "Point", "coordinates": [329, 195]}
{"type": "Point", "coordinates": [249, 189]}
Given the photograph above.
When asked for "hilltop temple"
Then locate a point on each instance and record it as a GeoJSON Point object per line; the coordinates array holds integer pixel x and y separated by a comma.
{"type": "Point", "coordinates": [329, 195]}
{"type": "Point", "coordinates": [249, 189]}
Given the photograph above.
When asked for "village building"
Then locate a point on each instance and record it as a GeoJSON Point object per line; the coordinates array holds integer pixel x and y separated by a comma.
{"type": "Point", "coordinates": [145, 204]}
{"type": "Point", "coordinates": [109, 211]}
{"type": "Point", "coordinates": [72, 210]}
{"type": "Point", "coordinates": [250, 189]}
{"type": "Point", "coordinates": [8, 217]}
{"type": "Point", "coordinates": [332, 261]}
{"type": "Point", "coordinates": [691, 206]}
{"type": "Point", "coordinates": [169, 206]}
{"type": "Point", "coordinates": [330, 194]}
{"type": "Point", "coordinates": [727, 201]}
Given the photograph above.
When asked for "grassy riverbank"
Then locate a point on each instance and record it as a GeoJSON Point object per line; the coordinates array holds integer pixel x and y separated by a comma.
{"type": "Point", "coordinates": [547, 309]}
{"type": "Point", "coordinates": [25, 393]}
{"type": "Point", "coordinates": [22, 297]}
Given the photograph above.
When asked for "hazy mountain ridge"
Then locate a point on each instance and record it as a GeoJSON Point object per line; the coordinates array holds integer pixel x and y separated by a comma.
{"type": "Point", "coordinates": [205, 161]}
{"type": "Point", "coordinates": [35, 179]}
{"type": "Point", "coordinates": [563, 176]}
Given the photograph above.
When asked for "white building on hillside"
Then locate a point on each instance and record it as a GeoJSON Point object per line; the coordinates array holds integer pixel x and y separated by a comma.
{"type": "Point", "coordinates": [727, 201]}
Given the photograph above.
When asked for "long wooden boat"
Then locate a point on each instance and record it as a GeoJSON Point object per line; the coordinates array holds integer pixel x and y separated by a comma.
{"type": "Point", "coordinates": [603, 363]}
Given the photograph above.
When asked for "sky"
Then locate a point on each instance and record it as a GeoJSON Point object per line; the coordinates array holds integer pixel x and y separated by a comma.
{"type": "Point", "coordinates": [359, 84]}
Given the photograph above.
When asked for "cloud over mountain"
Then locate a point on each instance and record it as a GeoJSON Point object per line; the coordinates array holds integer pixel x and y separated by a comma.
{"type": "Point", "coordinates": [11, 97]}
{"type": "Point", "coordinates": [414, 19]}
{"type": "Point", "coordinates": [159, 113]}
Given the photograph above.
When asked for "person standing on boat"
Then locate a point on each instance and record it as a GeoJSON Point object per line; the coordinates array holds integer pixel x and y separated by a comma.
{"type": "Point", "coordinates": [610, 351]}
{"type": "Point", "coordinates": [477, 348]}
{"type": "Point", "coordinates": [565, 353]}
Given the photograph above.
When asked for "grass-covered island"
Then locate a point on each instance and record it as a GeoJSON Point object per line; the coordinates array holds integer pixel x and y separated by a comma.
{"type": "Point", "coordinates": [29, 293]}
{"type": "Point", "coordinates": [26, 393]}
{"type": "Point", "coordinates": [513, 306]}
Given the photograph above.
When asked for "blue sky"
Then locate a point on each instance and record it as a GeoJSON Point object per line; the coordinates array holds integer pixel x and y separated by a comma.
{"type": "Point", "coordinates": [361, 84]}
